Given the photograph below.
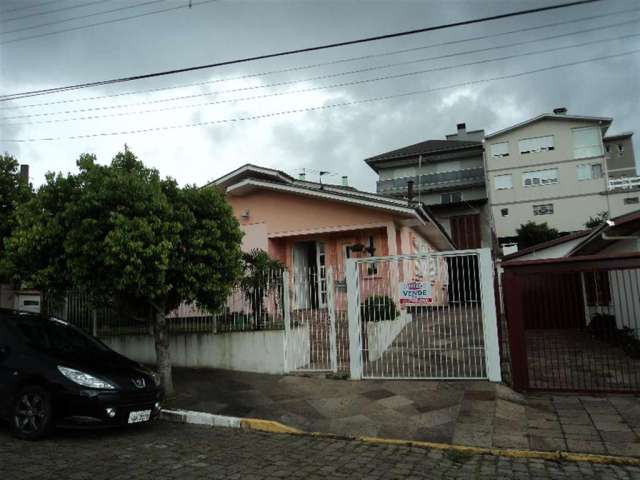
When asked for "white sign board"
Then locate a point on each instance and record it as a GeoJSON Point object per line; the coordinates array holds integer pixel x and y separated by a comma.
{"type": "Point", "coordinates": [416, 293]}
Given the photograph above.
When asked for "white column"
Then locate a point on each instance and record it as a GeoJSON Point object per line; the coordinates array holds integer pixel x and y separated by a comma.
{"type": "Point", "coordinates": [353, 309]}
{"type": "Point", "coordinates": [489, 316]}
{"type": "Point", "coordinates": [331, 307]}
{"type": "Point", "coordinates": [287, 319]}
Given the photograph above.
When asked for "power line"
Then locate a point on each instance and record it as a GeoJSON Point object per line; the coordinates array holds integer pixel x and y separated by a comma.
{"type": "Point", "coordinates": [81, 17]}
{"type": "Point", "coordinates": [295, 51]}
{"type": "Point", "coordinates": [332, 62]}
{"type": "Point", "coordinates": [322, 107]}
{"type": "Point", "coordinates": [106, 22]}
{"type": "Point", "coordinates": [322, 77]}
{"type": "Point", "coordinates": [7, 20]}
{"type": "Point", "coordinates": [37, 5]}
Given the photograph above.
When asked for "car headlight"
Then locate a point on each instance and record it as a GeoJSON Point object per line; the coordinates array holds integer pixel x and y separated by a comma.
{"type": "Point", "coordinates": [84, 379]}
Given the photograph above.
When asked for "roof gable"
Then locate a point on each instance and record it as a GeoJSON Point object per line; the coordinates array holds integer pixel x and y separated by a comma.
{"type": "Point", "coordinates": [551, 116]}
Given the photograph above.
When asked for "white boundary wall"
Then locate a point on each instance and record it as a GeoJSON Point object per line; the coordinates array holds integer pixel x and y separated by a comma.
{"type": "Point", "coordinates": [260, 351]}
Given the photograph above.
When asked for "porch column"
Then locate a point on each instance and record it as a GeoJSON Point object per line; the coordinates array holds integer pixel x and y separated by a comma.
{"type": "Point", "coordinates": [393, 265]}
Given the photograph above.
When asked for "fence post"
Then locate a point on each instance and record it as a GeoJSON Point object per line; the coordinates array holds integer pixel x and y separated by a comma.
{"type": "Point", "coordinates": [353, 309]}
{"type": "Point", "coordinates": [489, 316]}
{"type": "Point", "coordinates": [287, 318]}
{"type": "Point", "coordinates": [331, 307]}
{"type": "Point", "coordinates": [514, 310]}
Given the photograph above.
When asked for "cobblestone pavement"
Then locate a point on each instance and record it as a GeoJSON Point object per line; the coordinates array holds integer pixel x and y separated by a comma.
{"type": "Point", "coordinates": [173, 451]}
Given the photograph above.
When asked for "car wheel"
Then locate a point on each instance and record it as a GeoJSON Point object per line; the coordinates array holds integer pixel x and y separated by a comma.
{"type": "Point", "coordinates": [32, 414]}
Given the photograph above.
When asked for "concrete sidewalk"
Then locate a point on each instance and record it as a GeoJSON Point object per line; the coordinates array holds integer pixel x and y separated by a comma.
{"type": "Point", "coordinates": [473, 413]}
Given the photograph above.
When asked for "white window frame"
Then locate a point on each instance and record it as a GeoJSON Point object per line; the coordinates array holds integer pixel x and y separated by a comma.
{"type": "Point", "coordinates": [544, 143]}
{"type": "Point", "coordinates": [590, 166]}
{"type": "Point", "coordinates": [449, 193]}
{"type": "Point", "coordinates": [544, 206]}
{"type": "Point", "coordinates": [588, 148]}
{"type": "Point", "coordinates": [505, 153]}
{"type": "Point", "coordinates": [542, 181]}
{"type": "Point", "coordinates": [504, 176]}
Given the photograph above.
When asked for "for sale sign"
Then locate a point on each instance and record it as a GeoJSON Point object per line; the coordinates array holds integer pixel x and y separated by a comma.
{"type": "Point", "coordinates": [416, 293]}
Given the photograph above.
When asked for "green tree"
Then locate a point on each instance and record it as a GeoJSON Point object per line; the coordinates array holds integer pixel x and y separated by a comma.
{"type": "Point", "coordinates": [262, 275]}
{"type": "Point", "coordinates": [14, 191]}
{"type": "Point", "coordinates": [532, 233]}
{"type": "Point", "coordinates": [599, 219]}
{"type": "Point", "coordinates": [129, 239]}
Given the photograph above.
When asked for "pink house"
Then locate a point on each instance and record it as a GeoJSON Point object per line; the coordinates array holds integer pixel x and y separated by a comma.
{"type": "Point", "coordinates": [309, 226]}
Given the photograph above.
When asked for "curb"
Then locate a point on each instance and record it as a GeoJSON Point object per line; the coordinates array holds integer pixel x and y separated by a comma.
{"type": "Point", "coordinates": [270, 426]}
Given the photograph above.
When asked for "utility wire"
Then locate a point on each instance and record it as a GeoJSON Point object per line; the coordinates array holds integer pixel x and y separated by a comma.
{"type": "Point", "coordinates": [295, 51]}
{"type": "Point", "coordinates": [7, 20]}
{"type": "Point", "coordinates": [106, 22]}
{"type": "Point", "coordinates": [332, 62]}
{"type": "Point", "coordinates": [81, 17]}
{"type": "Point", "coordinates": [35, 5]}
{"type": "Point", "coordinates": [322, 77]}
{"type": "Point", "coordinates": [322, 107]}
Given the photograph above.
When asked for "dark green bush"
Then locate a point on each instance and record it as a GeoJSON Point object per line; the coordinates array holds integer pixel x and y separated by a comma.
{"type": "Point", "coordinates": [377, 308]}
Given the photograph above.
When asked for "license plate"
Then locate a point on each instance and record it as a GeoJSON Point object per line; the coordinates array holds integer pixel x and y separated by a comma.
{"type": "Point", "coordinates": [141, 416]}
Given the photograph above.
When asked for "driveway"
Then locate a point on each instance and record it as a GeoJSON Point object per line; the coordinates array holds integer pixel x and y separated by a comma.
{"type": "Point", "coordinates": [175, 451]}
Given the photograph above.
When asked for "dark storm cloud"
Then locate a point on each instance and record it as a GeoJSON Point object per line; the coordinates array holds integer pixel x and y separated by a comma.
{"type": "Point", "coordinates": [336, 139]}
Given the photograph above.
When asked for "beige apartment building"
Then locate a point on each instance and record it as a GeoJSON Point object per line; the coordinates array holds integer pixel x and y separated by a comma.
{"type": "Point", "coordinates": [560, 169]}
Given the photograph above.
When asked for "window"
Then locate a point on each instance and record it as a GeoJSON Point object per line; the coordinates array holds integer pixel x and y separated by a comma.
{"type": "Point", "coordinates": [608, 148]}
{"type": "Point", "coordinates": [451, 197]}
{"type": "Point", "coordinates": [537, 144]}
{"type": "Point", "coordinates": [588, 171]}
{"type": "Point", "coordinates": [504, 212]}
{"type": "Point", "coordinates": [540, 177]}
{"type": "Point", "coordinates": [503, 182]}
{"type": "Point", "coordinates": [587, 142]}
{"type": "Point", "coordinates": [500, 149]}
{"type": "Point", "coordinates": [631, 200]}
{"type": "Point", "coordinates": [620, 149]}
{"type": "Point", "coordinates": [544, 209]}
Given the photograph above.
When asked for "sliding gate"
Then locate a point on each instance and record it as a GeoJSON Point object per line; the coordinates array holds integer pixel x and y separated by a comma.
{"type": "Point", "coordinates": [428, 316]}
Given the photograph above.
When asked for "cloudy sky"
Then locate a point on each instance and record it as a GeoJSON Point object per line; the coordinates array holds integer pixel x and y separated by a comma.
{"type": "Point", "coordinates": [335, 138]}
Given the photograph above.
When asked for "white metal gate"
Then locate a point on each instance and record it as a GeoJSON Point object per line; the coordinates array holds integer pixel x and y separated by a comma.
{"type": "Point", "coordinates": [310, 320]}
{"type": "Point", "coordinates": [428, 316]}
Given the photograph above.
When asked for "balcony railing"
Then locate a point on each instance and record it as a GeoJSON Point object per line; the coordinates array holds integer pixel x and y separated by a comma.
{"type": "Point", "coordinates": [624, 183]}
{"type": "Point", "coordinates": [434, 181]}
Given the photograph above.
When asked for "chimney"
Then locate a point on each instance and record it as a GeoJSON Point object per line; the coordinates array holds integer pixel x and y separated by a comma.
{"type": "Point", "coordinates": [345, 181]}
{"type": "Point", "coordinates": [560, 111]}
{"type": "Point", "coordinates": [462, 129]}
{"type": "Point", "coordinates": [409, 192]}
{"type": "Point", "coordinates": [24, 172]}
{"type": "Point", "coordinates": [302, 175]}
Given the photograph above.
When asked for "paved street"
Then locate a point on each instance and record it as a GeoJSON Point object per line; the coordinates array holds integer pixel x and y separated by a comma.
{"type": "Point", "coordinates": [173, 451]}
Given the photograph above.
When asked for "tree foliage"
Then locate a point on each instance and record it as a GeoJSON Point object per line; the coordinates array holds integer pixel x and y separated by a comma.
{"type": "Point", "coordinates": [532, 233]}
{"type": "Point", "coordinates": [262, 275]}
{"type": "Point", "coordinates": [127, 238]}
{"type": "Point", "coordinates": [597, 220]}
{"type": "Point", "coordinates": [14, 191]}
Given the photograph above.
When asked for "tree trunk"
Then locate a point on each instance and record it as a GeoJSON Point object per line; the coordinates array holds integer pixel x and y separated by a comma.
{"type": "Point", "coordinates": [163, 355]}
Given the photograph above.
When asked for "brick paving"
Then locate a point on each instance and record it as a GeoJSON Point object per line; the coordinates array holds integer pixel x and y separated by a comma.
{"type": "Point", "coordinates": [474, 413]}
{"type": "Point", "coordinates": [172, 451]}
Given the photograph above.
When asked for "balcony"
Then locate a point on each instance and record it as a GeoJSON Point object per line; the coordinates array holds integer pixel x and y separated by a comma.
{"type": "Point", "coordinates": [624, 183]}
{"type": "Point", "coordinates": [434, 181]}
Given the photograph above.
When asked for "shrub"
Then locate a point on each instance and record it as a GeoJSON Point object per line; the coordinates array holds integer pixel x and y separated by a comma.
{"type": "Point", "coordinates": [377, 308]}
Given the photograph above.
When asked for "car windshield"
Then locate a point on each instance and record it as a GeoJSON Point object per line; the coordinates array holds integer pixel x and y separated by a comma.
{"type": "Point", "coordinates": [56, 335]}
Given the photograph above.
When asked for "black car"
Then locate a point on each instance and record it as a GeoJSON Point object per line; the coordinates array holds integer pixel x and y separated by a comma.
{"type": "Point", "coordinates": [53, 374]}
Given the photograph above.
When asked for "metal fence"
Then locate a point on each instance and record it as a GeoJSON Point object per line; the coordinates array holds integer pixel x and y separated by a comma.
{"type": "Point", "coordinates": [574, 324]}
{"type": "Point", "coordinates": [429, 316]}
{"type": "Point", "coordinates": [247, 308]}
